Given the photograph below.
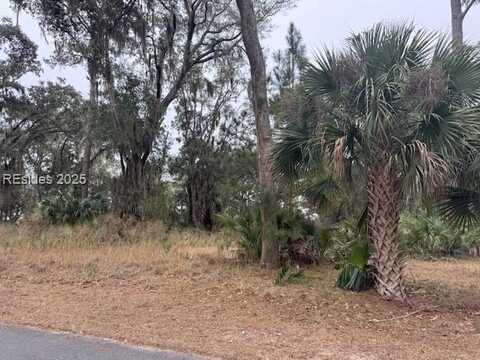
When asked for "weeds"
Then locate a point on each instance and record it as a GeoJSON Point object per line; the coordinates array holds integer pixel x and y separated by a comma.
{"type": "Point", "coordinates": [289, 274]}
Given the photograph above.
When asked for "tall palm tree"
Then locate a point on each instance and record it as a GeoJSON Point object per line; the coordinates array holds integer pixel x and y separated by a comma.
{"type": "Point", "coordinates": [398, 105]}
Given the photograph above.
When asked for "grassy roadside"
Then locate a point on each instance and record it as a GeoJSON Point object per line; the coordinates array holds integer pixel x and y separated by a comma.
{"type": "Point", "coordinates": [186, 291]}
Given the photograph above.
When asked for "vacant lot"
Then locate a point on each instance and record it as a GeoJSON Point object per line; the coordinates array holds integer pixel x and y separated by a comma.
{"type": "Point", "coordinates": [191, 296]}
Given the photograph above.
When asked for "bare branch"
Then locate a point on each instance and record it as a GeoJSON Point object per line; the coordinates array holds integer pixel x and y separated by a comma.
{"type": "Point", "coordinates": [468, 6]}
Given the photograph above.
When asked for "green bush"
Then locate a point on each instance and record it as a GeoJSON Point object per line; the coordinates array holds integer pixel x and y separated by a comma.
{"type": "Point", "coordinates": [67, 208]}
{"type": "Point", "coordinates": [300, 241]}
{"type": "Point", "coordinates": [249, 229]}
{"type": "Point", "coordinates": [429, 236]}
{"type": "Point", "coordinates": [341, 241]}
{"type": "Point", "coordinates": [348, 249]}
{"type": "Point", "coordinates": [357, 274]}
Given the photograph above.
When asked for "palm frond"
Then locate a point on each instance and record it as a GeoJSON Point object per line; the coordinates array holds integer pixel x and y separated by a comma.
{"type": "Point", "coordinates": [321, 76]}
{"type": "Point", "coordinates": [320, 190]}
{"type": "Point", "coordinates": [296, 150]}
{"type": "Point", "coordinates": [335, 156]}
{"type": "Point", "coordinates": [400, 93]}
{"type": "Point", "coordinates": [460, 207]}
{"type": "Point", "coordinates": [463, 69]}
{"type": "Point", "coordinates": [424, 169]}
{"type": "Point", "coordinates": [448, 130]}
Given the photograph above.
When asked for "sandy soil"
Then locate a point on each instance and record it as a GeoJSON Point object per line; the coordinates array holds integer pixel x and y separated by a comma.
{"type": "Point", "coordinates": [214, 306]}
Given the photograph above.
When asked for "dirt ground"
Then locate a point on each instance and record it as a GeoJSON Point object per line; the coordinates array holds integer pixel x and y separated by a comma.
{"type": "Point", "coordinates": [209, 304]}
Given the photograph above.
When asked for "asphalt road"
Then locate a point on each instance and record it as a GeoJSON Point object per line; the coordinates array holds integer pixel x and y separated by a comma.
{"type": "Point", "coordinates": [17, 343]}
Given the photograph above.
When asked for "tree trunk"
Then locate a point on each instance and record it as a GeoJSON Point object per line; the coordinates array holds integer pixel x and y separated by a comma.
{"type": "Point", "coordinates": [88, 141]}
{"type": "Point", "coordinates": [457, 23]}
{"type": "Point", "coordinates": [383, 222]}
{"type": "Point", "coordinates": [132, 191]}
{"type": "Point", "coordinates": [270, 251]}
{"type": "Point", "coordinates": [201, 200]}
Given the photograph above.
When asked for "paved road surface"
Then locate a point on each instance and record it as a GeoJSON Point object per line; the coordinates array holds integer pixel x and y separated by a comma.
{"type": "Point", "coordinates": [18, 343]}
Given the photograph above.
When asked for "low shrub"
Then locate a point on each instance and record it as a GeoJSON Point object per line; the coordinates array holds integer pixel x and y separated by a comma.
{"type": "Point", "coordinates": [348, 249]}
{"type": "Point", "coordinates": [301, 242]}
{"type": "Point", "coordinates": [67, 208]}
{"type": "Point", "coordinates": [249, 229]}
{"type": "Point", "coordinates": [429, 236]}
{"type": "Point", "coordinates": [341, 240]}
{"type": "Point", "coordinates": [357, 274]}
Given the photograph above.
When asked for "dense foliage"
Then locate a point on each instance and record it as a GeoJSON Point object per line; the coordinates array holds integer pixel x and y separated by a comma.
{"type": "Point", "coordinates": [67, 208]}
{"type": "Point", "coordinates": [431, 236]}
{"type": "Point", "coordinates": [301, 241]}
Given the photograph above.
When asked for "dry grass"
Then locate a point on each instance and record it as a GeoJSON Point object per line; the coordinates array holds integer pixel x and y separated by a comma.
{"type": "Point", "coordinates": [112, 245]}
{"type": "Point", "coordinates": [184, 291]}
{"type": "Point", "coordinates": [108, 230]}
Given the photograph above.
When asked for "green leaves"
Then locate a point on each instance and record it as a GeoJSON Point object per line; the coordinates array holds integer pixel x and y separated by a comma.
{"type": "Point", "coordinates": [66, 208]}
{"type": "Point", "coordinates": [322, 76]}
{"type": "Point", "coordinates": [356, 274]}
{"type": "Point", "coordinates": [429, 235]}
{"type": "Point", "coordinates": [249, 228]}
{"type": "Point", "coordinates": [355, 279]}
{"type": "Point", "coordinates": [19, 53]}
{"type": "Point", "coordinates": [393, 91]}
{"type": "Point", "coordinates": [463, 69]}
{"type": "Point", "coordinates": [359, 256]}
{"type": "Point", "coordinates": [296, 149]}
{"type": "Point", "coordinates": [460, 207]}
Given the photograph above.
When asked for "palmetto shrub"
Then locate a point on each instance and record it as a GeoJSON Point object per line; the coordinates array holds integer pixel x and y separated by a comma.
{"type": "Point", "coordinates": [249, 229]}
{"type": "Point", "coordinates": [67, 208]}
{"type": "Point", "coordinates": [342, 240]}
{"type": "Point", "coordinates": [348, 249]}
{"type": "Point", "coordinates": [301, 242]}
{"type": "Point", "coordinates": [430, 236]}
{"type": "Point", "coordinates": [357, 274]}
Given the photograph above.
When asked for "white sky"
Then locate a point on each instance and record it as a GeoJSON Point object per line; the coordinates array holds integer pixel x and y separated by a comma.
{"type": "Point", "coordinates": [321, 22]}
{"type": "Point", "coordinates": [329, 22]}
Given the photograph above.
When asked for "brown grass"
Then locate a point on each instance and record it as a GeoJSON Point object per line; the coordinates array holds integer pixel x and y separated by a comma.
{"type": "Point", "coordinates": [184, 291]}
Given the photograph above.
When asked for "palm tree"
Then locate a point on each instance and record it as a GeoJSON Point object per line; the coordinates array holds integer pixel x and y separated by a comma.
{"type": "Point", "coordinates": [397, 105]}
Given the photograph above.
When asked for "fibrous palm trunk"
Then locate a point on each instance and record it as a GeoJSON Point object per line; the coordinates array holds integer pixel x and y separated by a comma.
{"type": "Point", "coordinates": [383, 222]}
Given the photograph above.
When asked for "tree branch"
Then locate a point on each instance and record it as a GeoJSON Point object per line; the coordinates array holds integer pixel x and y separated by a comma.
{"type": "Point", "coordinates": [468, 7]}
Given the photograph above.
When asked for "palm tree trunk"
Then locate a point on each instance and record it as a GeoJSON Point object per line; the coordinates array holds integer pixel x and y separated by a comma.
{"type": "Point", "coordinates": [383, 222]}
{"type": "Point", "coordinates": [270, 251]}
{"type": "Point", "coordinates": [457, 23]}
